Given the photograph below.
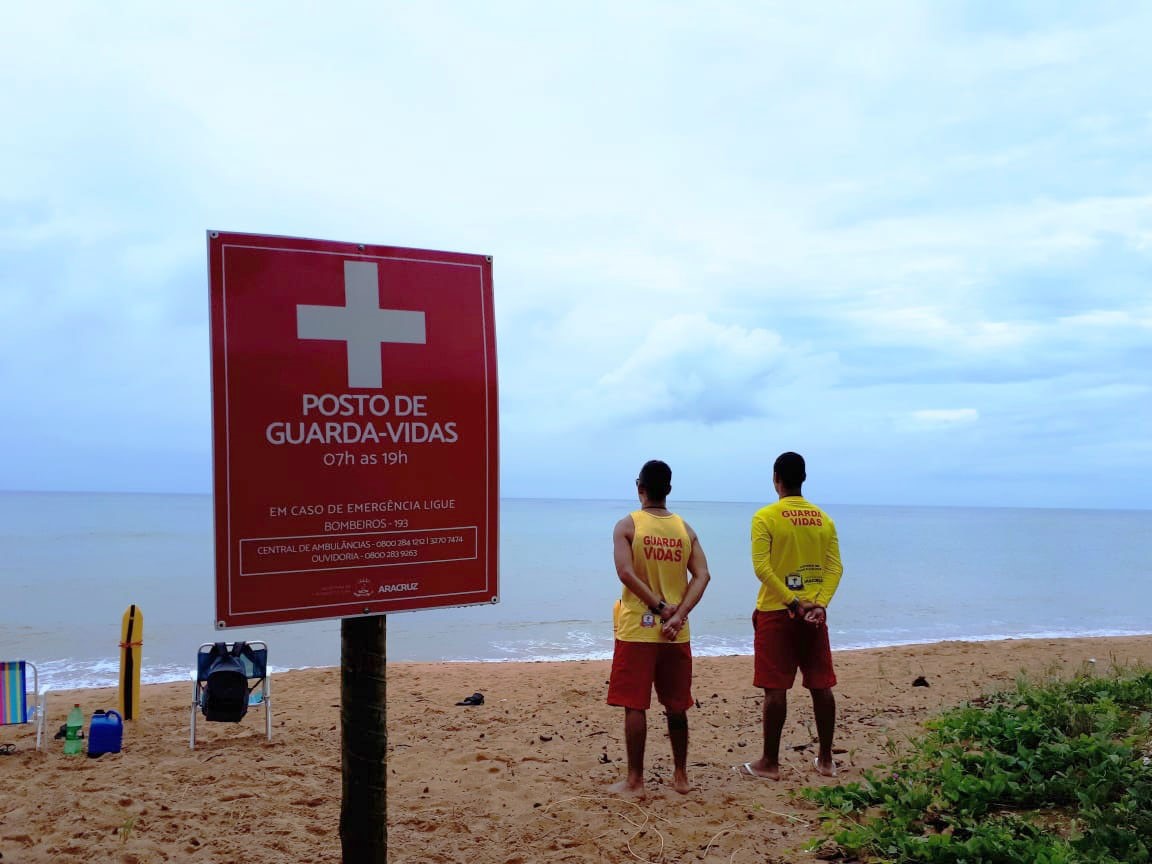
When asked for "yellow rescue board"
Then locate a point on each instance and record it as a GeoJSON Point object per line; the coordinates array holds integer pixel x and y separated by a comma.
{"type": "Point", "coordinates": [131, 647]}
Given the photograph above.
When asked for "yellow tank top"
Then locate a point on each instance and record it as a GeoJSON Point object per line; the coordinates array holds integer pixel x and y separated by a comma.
{"type": "Point", "coordinates": [660, 550]}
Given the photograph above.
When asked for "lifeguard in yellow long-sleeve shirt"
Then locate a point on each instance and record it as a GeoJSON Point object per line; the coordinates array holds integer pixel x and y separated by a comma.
{"type": "Point", "coordinates": [796, 557]}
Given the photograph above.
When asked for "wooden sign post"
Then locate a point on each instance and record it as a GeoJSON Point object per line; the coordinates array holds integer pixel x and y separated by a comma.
{"type": "Point", "coordinates": [364, 731]}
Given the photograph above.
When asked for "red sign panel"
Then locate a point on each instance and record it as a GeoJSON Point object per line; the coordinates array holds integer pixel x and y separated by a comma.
{"type": "Point", "coordinates": [354, 429]}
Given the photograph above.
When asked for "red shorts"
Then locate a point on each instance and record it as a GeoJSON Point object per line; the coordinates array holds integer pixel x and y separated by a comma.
{"type": "Point", "coordinates": [636, 666]}
{"type": "Point", "coordinates": [784, 644]}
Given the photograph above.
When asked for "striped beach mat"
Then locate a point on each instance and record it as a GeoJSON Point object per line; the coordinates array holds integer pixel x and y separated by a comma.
{"type": "Point", "coordinates": [13, 693]}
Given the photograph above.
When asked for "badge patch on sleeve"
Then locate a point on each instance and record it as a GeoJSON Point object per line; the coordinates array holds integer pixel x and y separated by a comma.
{"type": "Point", "coordinates": [794, 581]}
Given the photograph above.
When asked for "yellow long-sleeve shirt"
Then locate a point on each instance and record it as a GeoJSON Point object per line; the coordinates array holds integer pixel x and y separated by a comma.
{"type": "Point", "coordinates": [795, 554]}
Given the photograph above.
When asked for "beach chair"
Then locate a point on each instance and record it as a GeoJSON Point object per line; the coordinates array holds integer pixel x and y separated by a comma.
{"type": "Point", "coordinates": [253, 661]}
{"type": "Point", "coordinates": [15, 705]}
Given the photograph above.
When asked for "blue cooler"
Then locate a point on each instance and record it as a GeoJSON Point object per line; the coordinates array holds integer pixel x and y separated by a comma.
{"type": "Point", "coordinates": [105, 733]}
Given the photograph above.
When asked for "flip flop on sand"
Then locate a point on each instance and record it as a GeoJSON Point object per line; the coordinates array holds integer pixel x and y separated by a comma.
{"type": "Point", "coordinates": [821, 771]}
{"type": "Point", "coordinates": [745, 771]}
{"type": "Point", "coordinates": [474, 699]}
{"type": "Point", "coordinates": [7, 749]}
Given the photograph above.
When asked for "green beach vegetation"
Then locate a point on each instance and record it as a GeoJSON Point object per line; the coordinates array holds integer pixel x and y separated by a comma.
{"type": "Point", "coordinates": [1054, 772]}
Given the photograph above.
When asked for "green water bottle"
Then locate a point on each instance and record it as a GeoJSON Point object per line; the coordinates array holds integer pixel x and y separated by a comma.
{"type": "Point", "coordinates": [73, 746]}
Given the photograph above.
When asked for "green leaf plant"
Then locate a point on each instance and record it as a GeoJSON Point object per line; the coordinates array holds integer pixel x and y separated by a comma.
{"type": "Point", "coordinates": [1055, 772]}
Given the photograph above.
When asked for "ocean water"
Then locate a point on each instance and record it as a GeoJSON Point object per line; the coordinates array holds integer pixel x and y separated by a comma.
{"type": "Point", "coordinates": [70, 564]}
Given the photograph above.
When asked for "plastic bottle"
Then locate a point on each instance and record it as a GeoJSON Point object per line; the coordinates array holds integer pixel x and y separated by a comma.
{"type": "Point", "coordinates": [73, 746]}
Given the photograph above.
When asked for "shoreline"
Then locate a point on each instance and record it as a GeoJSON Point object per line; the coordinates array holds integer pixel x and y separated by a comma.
{"type": "Point", "coordinates": [111, 680]}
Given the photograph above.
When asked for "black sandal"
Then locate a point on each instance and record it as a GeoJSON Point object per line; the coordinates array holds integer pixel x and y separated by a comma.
{"type": "Point", "coordinates": [7, 749]}
{"type": "Point", "coordinates": [474, 699]}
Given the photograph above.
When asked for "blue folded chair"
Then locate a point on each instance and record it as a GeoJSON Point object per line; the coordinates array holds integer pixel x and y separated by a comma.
{"type": "Point", "coordinates": [16, 707]}
{"type": "Point", "coordinates": [250, 659]}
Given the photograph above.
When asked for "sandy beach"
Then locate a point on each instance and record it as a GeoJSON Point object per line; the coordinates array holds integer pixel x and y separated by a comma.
{"type": "Point", "coordinates": [520, 778]}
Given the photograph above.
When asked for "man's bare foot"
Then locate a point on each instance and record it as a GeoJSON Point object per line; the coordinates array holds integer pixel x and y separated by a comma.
{"type": "Point", "coordinates": [631, 788]}
{"type": "Point", "coordinates": [680, 782]}
{"type": "Point", "coordinates": [825, 769]}
{"type": "Point", "coordinates": [759, 770]}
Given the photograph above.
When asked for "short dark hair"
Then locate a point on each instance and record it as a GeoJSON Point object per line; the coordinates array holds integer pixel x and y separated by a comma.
{"type": "Point", "coordinates": [789, 470]}
{"type": "Point", "coordinates": [656, 478]}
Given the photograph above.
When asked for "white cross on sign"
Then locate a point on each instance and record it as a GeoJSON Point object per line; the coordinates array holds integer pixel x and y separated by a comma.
{"type": "Point", "coordinates": [361, 323]}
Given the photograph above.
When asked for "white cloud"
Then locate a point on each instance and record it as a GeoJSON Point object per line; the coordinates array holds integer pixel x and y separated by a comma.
{"type": "Point", "coordinates": [945, 416]}
{"type": "Point", "coordinates": [689, 368]}
{"type": "Point", "coordinates": [1110, 318]}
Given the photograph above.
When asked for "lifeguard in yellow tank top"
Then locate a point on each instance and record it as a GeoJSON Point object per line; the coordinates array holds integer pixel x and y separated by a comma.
{"type": "Point", "coordinates": [663, 569]}
{"type": "Point", "coordinates": [660, 551]}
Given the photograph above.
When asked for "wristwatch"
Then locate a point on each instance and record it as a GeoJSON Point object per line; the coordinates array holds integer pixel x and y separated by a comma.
{"type": "Point", "coordinates": [794, 606]}
{"type": "Point", "coordinates": [658, 608]}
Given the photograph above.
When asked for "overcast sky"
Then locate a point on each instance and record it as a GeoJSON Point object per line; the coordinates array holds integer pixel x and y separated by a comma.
{"type": "Point", "coordinates": [910, 240]}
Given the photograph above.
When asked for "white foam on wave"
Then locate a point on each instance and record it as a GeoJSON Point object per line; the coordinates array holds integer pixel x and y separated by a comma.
{"type": "Point", "coordinates": [97, 674]}
{"type": "Point", "coordinates": [993, 637]}
{"type": "Point", "coordinates": [586, 646]}
{"type": "Point", "coordinates": [576, 645]}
